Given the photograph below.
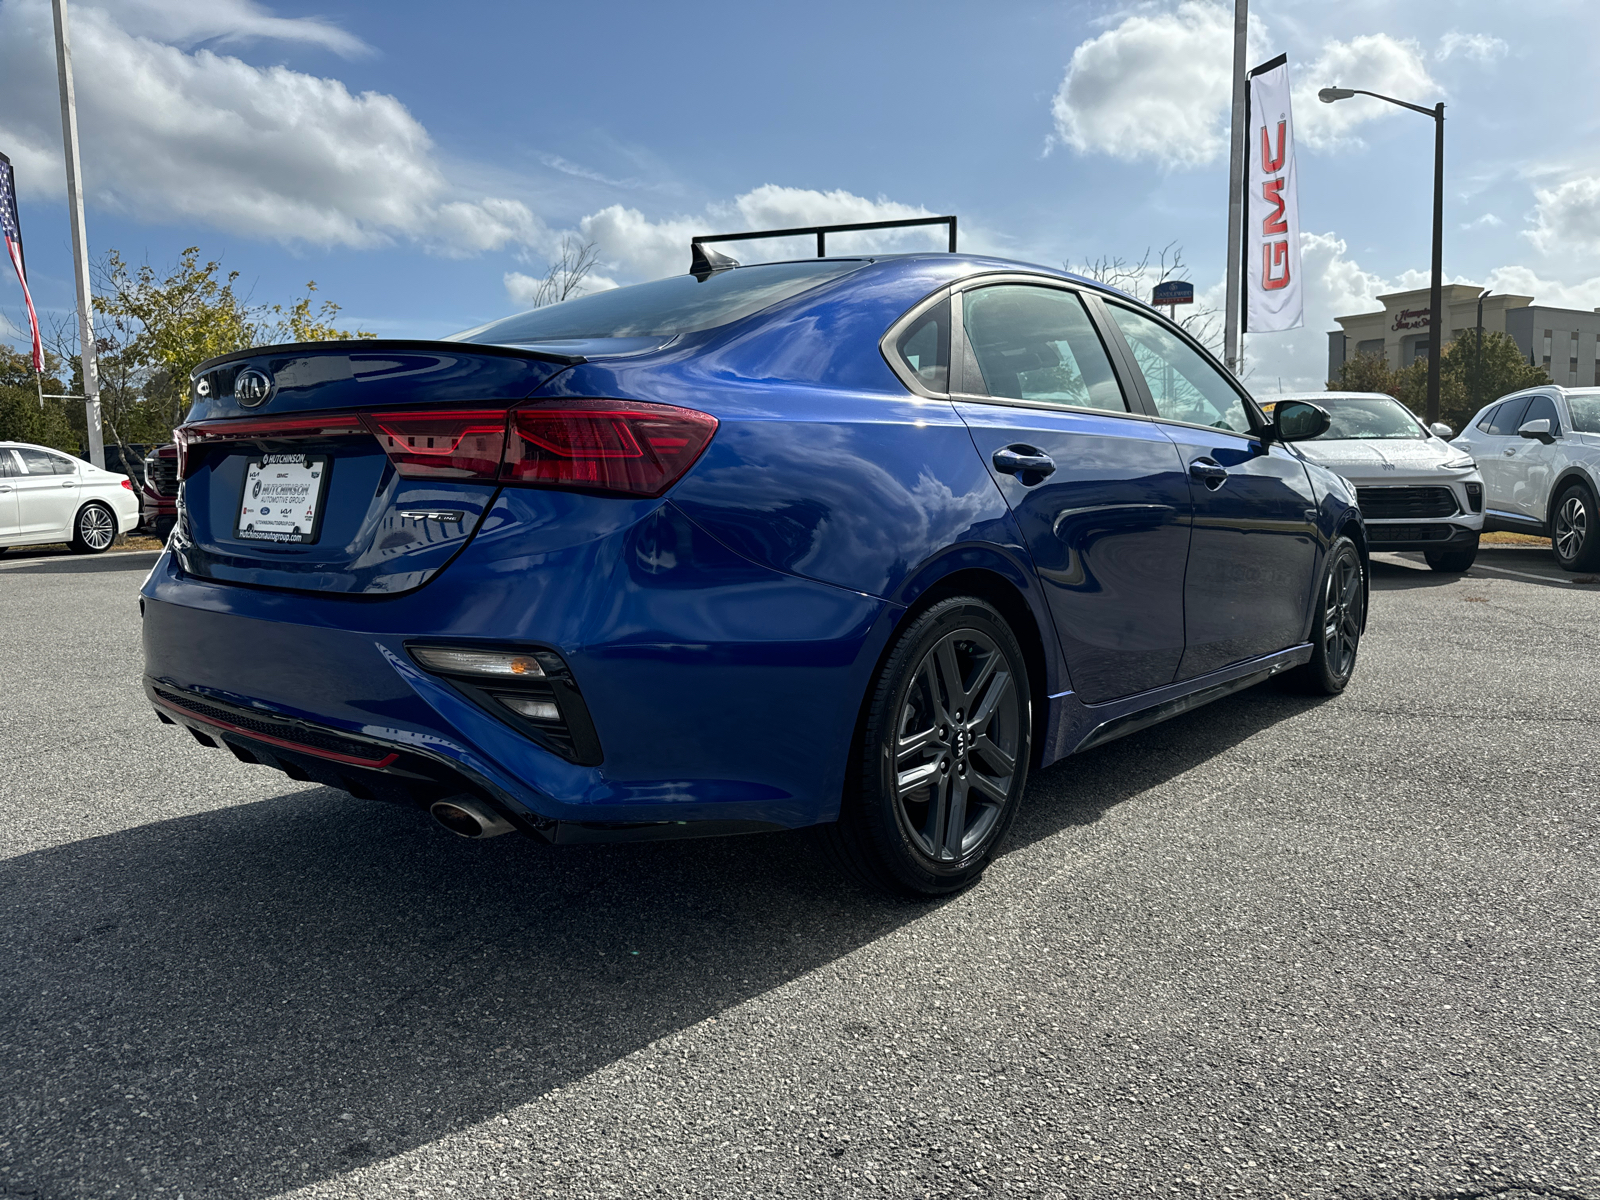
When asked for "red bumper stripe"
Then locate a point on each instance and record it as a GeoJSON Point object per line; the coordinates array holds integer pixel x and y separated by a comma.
{"type": "Point", "coordinates": [285, 743]}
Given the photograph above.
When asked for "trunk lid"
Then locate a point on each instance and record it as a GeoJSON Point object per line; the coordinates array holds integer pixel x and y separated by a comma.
{"type": "Point", "coordinates": [290, 480]}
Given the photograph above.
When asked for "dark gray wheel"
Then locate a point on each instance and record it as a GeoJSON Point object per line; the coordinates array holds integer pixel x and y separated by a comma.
{"type": "Point", "coordinates": [1574, 535]}
{"type": "Point", "coordinates": [944, 753]}
{"type": "Point", "coordinates": [1341, 618]}
{"type": "Point", "coordinates": [94, 530]}
{"type": "Point", "coordinates": [1452, 562]}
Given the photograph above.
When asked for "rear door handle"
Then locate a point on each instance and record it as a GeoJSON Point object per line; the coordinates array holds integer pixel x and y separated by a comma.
{"type": "Point", "coordinates": [1023, 461]}
{"type": "Point", "coordinates": [70, 483]}
{"type": "Point", "coordinates": [1209, 472]}
{"type": "Point", "coordinates": [1509, 452]}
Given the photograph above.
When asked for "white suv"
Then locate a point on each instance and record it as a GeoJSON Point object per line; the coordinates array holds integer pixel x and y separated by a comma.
{"type": "Point", "coordinates": [1539, 452]}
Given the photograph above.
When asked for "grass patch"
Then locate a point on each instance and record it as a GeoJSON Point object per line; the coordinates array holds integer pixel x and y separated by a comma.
{"type": "Point", "coordinates": [1513, 539]}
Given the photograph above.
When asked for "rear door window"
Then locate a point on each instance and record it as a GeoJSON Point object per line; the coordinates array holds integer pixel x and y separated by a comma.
{"type": "Point", "coordinates": [1037, 344]}
{"type": "Point", "coordinates": [36, 462]}
{"type": "Point", "coordinates": [1508, 417]}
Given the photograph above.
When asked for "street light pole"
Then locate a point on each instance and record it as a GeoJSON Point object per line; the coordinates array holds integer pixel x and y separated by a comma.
{"type": "Point", "coordinates": [1236, 202]}
{"type": "Point", "coordinates": [80, 239]}
{"type": "Point", "coordinates": [1477, 373]}
{"type": "Point", "coordinates": [1435, 291]}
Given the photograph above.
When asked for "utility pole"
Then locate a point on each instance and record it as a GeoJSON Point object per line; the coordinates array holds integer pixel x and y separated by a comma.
{"type": "Point", "coordinates": [1236, 174]}
{"type": "Point", "coordinates": [80, 240]}
{"type": "Point", "coordinates": [1436, 329]}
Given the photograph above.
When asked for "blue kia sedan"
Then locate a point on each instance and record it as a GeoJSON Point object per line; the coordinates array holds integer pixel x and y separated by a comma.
{"type": "Point", "coordinates": [851, 542]}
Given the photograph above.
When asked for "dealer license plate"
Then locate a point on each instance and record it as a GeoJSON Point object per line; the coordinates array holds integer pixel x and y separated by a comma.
{"type": "Point", "coordinates": [282, 499]}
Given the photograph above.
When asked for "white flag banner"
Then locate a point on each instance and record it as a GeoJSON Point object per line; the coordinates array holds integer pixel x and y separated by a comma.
{"type": "Point", "coordinates": [1274, 297]}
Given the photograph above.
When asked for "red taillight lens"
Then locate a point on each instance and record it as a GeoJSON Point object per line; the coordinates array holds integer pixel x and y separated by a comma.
{"type": "Point", "coordinates": [128, 483]}
{"type": "Point", "coordinates": [609, 445]}
{"type": "Point", "coordinates": [444, 444]}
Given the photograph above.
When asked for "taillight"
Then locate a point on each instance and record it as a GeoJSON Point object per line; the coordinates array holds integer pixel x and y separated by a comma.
{"type": "Point", "coordinates": [128, 483]}
{"type": "Point", "coordinates": [609, 445]}
{"type": "Point", "coordinates": [445, 444]}
{"type": "Point", "coordinates": [624, 446]}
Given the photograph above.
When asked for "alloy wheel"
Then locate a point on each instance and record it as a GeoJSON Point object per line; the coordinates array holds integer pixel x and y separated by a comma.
{"type": "Point", "coordinates": [1342, 605]}
{"type": "Point", "coordinates": [95, 528]}
{"type": "Point", "coordinates": [1572, 527]}
{"type": "Point", "coordinates": [956, 746]}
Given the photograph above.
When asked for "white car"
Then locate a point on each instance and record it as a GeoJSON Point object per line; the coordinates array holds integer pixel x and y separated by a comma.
{"type": "Point", "coordinates": [48, 496]}
{"type": "Point", "coordinates": [1415, 489]}
{"type": "Point", "coordinates": [1540, 455]}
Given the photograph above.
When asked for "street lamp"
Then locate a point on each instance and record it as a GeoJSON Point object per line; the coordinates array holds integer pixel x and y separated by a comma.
{"type": "Point", "coordinates": [1435, 302]}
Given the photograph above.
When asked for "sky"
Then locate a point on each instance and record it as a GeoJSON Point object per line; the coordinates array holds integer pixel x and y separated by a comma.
{"type": "Point", "coordinates": [422, 162]}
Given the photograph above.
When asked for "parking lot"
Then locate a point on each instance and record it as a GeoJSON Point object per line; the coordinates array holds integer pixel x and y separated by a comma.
{"type": "Point", "coordinates": [1278, 946]}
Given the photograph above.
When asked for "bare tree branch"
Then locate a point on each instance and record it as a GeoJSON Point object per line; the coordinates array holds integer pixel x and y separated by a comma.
{"type": "Point", "coordinates": [567, 272]}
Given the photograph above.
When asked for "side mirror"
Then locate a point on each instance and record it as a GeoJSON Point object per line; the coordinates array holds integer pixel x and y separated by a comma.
{"type": "Point", "coordinates": [1442, 431]}
{"type": "Point", "coordinates": [1297, 421]}
{"type": "Point", "coordinates": [1539, 429]}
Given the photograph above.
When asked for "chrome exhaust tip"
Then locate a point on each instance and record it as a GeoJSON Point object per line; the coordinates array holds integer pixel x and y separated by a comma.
{"type": "Point", "coordinates": [469, 818]}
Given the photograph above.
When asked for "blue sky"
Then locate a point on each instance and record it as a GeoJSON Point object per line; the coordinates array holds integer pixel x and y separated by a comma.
{"type": "Point", "coordinates": [416, 160]}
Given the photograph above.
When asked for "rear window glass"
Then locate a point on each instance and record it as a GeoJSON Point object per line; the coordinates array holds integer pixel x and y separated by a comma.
{"type": "Point", "coordinates": [665, 307]}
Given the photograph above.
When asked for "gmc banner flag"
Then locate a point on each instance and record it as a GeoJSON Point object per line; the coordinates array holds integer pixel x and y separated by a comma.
{"type": "Point", "coordinates": [1274, 297]}
{"type": "Point", "coordinates": [11, 228]}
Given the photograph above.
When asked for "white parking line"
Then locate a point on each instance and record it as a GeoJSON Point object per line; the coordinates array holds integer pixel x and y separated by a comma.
{"type": "Point", "coordinates": [1525, 575]}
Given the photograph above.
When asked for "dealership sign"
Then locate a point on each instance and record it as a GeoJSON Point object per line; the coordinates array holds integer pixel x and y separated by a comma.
{"type": "Point", "coordinates": [1173, 291]}
{"type": "Point", "coordinates": [1275, 292]}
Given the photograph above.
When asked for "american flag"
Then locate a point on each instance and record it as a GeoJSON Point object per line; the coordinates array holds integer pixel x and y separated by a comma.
{"type": "Point", "coordinates": [12, 228]}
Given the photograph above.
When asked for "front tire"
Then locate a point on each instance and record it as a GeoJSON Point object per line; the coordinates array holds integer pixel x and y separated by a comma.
{"type": "Point", "coordinates": [1452, 562]}
{"type": "Point", "coordinates": [1574, 530]}
{"type": "Point", "coordinates": [942, 755]}
{"type": "Point", "coordinates": [94, 529]}
{"type": "Point", "coordinates": [1341, 618]}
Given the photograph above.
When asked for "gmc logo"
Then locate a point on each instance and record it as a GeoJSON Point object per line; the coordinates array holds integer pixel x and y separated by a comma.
{"type": "Point", "coordinates": [1274, 255]}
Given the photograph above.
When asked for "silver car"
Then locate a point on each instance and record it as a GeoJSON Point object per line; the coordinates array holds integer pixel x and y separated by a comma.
{"type": "Point", "coordinates": [1416, 491]}
{"type": "Point", "coordinates": [1540, 451]}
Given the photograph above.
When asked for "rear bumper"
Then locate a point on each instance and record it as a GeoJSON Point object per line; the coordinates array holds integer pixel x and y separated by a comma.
{"type": "Point", "coordinates": [721, 691]}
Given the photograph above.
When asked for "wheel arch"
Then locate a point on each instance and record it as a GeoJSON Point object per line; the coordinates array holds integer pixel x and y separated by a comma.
{"type": "Point", "coordinates": [994, 584]}
{"type": "Point", "coordinates": [1573, 474]}
{"type": "Point", "coordinates": [116, 522]}
{"type": "Point", "coordinates": [1352, 528]}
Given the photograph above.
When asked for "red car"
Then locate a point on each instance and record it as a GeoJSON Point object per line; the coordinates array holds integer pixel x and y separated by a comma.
{"type": "Point", "coordinates": [158, 497]}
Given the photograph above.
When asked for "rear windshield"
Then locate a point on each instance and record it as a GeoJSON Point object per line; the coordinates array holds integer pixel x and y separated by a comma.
{"type": "Point", "coordinates": [1377, 419]}
{"type": "Point", "coordinates": [1585, 413]}
{"type": "Point", "coordinates": [664, 308]}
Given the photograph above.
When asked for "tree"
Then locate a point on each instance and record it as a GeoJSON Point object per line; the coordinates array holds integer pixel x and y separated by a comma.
{"type": "Point", "coordinates": [154, 329]}
{"type": "Point", "coordinates": [567, 272]}
{"type": "Point", "coordinates": [1468, 379]}
{"type": "Point", "coordinates": [1137, 279]}
{"type": "Point", "coordinates": [22, 418]}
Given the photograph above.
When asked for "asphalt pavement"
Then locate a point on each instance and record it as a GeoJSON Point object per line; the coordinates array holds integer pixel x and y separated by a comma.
{"type": "Point", "coordinates": [1277, 947]}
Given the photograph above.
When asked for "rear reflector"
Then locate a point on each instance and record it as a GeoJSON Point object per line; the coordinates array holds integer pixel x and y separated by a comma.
{"type": "Point", "coordinates": [609, 445]}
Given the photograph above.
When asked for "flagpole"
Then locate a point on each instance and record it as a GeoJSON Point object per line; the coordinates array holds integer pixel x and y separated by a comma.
{"type": "Point", "coordinates": [80, 239]}
{"type": "Point", "coordinates": [1230, 318]}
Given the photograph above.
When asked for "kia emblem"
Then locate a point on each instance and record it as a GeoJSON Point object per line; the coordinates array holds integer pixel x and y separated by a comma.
{"type": "Point", "coordinates": [252, 387]}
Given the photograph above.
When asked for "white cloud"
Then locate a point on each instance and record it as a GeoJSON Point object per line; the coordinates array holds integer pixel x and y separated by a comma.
{"type": "Point", "coordinates": [1155, 86]}
{"type": "Point", "coordinates": [173, 135]}
{"type": "Point", "coordinates": [1479, 47]}
{"type": "Point", "coordinates": [1335, 286]}
{"type": "Point", "coordinates": [1373, 62]}
{"type": "Point", "coordinates": [1566, 218]}
{"type": "Point", "coordinates": [1487, 221]}
{"type": "Point", "coordinates": [1524, 281]}
{"type": "Point", "coordinates": [639, 248]}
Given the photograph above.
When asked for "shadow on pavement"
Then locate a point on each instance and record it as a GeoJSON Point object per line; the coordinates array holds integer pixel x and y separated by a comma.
{"type": "Point", "coordinates": [131, 560]}
{"type": "Point", "coordinates": [235, 1003]}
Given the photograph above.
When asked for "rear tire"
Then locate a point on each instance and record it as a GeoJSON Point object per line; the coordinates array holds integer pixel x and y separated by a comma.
{"type": "Point", "coordinates": [1452, 562]}
{"type": "Point", "coordinates": [94, 529]}
{"type": "Point", "coordinates": [1341, 617]}
{"type": "Point", "coordinates": [1575, 530]}
{"type": "Point", "coordinates": [942, 755]}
